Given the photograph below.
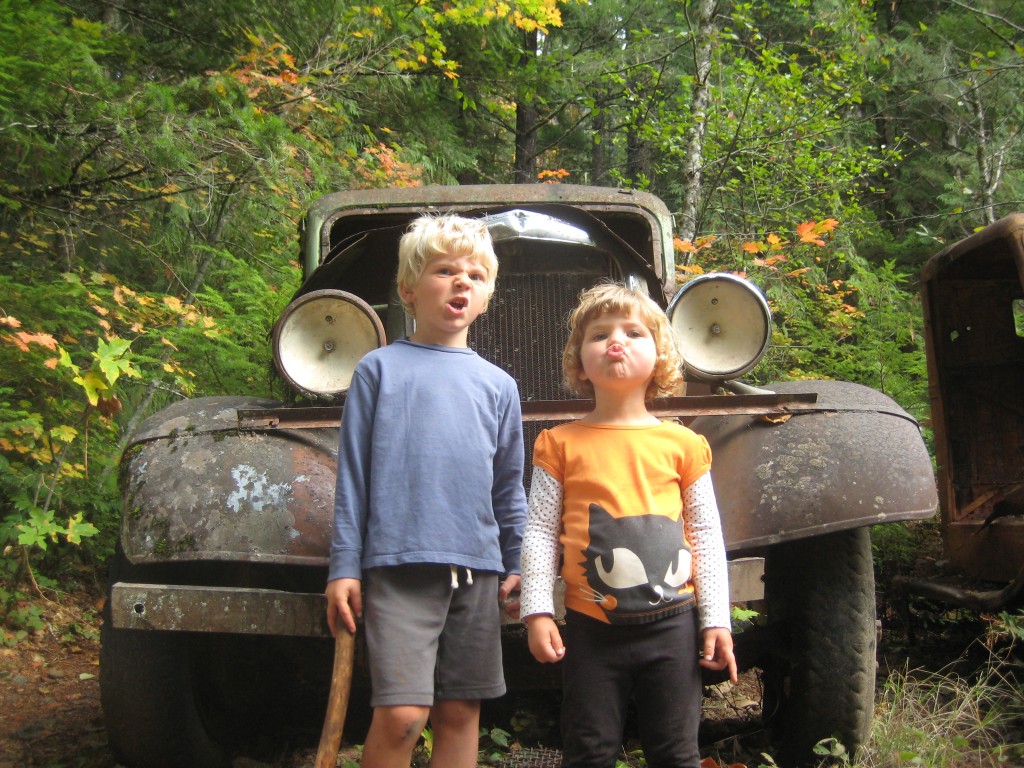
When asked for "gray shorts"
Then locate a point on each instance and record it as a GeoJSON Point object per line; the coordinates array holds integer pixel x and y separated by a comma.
{"type": "Point", "coordinates": [427, 640]}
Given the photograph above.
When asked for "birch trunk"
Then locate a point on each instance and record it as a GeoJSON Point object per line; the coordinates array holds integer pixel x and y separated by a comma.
{"type": "Point", "coordinates": [693, 163]}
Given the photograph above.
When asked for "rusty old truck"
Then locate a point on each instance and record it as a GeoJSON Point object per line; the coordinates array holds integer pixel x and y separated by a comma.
{"type": "Point", "coordinates": [973, 298]}
{"type": "Point", "coordinates": [215, 615]}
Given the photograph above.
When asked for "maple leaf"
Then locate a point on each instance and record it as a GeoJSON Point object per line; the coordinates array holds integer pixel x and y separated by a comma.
{"type": "Point", "coordinates": [93, 384]}
{"type": "Point", "coordinates": [683, 246]}
{"type": "Point", "coordinates": [23, 339]}
{"type": "Point", "coordinates": [10, 322]}
{"type": "Point", "coordinates": [77, 528]}
{"type": "Point", "coordinates": [808, 232]}
{"type": "Point", "coordinates": [753, 247]}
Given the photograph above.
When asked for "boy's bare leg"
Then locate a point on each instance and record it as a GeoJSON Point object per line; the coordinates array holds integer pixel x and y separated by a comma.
{"type": "Point", "coordinates": [456, 727]}
{"type": "Point", "coordinates": [393, 734]}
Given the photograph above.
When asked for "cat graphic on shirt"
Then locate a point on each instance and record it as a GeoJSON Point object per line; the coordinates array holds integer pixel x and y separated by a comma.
{"type": "Point", "coordinates": [635, 563]}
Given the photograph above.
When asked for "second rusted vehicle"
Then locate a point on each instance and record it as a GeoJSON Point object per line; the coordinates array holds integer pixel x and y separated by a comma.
{"type": "Point", "coordinates": [973, 298]}
{"type": "Point", "coordinates": [216, 607]}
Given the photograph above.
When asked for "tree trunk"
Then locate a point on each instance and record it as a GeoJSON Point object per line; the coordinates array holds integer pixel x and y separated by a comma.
{"type": "Point", "coordinates": [525, 171]}
{"type": "Point", "coordinates": [693, 163]}
{"type": "Point", "coordinates": [598, 150]}
{"type": "Point", "coordinates": [988, 163]}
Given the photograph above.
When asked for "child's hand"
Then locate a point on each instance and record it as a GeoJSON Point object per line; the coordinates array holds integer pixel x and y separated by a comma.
{"type": "Point", "coordinates": [718, 651]}
{"type": "Point", "coordinates": [545, 639]}
{"type": "Point", "coordinates": [509, 586]}
{"type": "Point", "coordinates": [344, 600]}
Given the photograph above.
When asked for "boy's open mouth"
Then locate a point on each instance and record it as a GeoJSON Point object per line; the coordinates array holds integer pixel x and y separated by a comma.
{"type": "Point", "coordinates": [459, 303]}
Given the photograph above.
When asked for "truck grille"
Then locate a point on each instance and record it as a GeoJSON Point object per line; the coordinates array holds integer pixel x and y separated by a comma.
{"type": "Point", "coordinates": [524, 332]}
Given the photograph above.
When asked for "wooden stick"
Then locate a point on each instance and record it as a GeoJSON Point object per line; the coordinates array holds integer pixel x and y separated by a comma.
{"type": "Point", "coordinates": [337, 700]}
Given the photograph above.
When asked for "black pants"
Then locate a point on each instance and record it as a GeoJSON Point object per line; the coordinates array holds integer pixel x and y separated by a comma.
{"type": "Point", "coordinates": [655, 664]}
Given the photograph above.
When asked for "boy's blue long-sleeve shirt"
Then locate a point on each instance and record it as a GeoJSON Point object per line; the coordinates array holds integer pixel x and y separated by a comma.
{"type": "Point", "coordinates": [430, 463]}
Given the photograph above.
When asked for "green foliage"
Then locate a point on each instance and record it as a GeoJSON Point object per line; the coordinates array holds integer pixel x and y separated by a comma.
{"type": "Point", "coordinates": [896, 547]}
{"type": "Point", "coordinates": [742, 618]}
{"type": "Point", "coordinates": [835, 316]}
{"type": "Point", "coordinates": [19, 618]}
{"type": "Point", "coordinates": [159, 158]}
{"type": "Point", "coordinates": [1009, 626]}
{"type": "Point", "coordinates": [494, 746]}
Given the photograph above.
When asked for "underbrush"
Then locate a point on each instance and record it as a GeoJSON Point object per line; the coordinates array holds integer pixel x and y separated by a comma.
{"type": "Point", "coordinates": [947, 720]}
{"type": "Point", "coordinates": [963, 715]}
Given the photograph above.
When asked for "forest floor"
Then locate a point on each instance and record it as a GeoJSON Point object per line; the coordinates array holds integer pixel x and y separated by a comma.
{"type": "Point", "coordinates": [50, 713]}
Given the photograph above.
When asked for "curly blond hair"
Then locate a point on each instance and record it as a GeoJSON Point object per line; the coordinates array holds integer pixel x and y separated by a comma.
{"type": "Point", "coordinates": [617, 299]}
{"type": "Point", "coordinates": [433, 235]}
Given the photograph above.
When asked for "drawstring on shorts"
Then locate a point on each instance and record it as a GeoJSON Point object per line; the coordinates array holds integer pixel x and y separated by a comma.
{"type": "Point", "coordinates": [455, 576]}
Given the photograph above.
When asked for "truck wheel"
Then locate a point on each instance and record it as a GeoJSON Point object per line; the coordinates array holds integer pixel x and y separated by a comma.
{"type": "Point", "coordinates": [149, 703]}
{"type": "Point", "coordinates": [820, 683]}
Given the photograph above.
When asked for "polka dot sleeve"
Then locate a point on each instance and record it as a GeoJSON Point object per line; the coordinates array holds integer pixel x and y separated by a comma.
{"type": "Point", "coordinates": [703, 528]}
{"type": "Point", "coordinates": [541, 548]}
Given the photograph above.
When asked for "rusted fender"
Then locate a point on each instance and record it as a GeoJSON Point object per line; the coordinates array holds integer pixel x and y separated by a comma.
{"type": "Point", "coordinates": [857, 460]}
{"type": "Point", "coordinates": [196, 487]}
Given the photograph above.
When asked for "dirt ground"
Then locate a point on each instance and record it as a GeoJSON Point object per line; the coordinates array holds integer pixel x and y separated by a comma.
{"type": "Point", "coordinates": [50, 712]}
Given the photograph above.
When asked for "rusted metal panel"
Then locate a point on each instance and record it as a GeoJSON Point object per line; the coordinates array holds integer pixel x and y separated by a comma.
{"type": "Point", "coordinates": [992, 552]}
{"type": "Point", "coordinates": [239, 610]}
{"type": "Point", "coordinates": [975, 357]}
{"type": "Point", "coordinates": [411, 201]}
{"type": "Point", "coordinates": [996, 249]}
{"type": "Point", "coordinates": [860, 464]}
{"type": "Point", "coordinates": [196, 487]}
{"type": "Point", "coordinates": [218, 609]}
{"type": "Point", "coordinates": [557, 410]}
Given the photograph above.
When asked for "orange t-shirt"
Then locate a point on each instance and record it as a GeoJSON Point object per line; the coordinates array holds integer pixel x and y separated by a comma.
{"type": "Point", "coordinates": [625, 558]}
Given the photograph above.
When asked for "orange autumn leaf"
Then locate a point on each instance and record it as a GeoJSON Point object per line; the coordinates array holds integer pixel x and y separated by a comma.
{"type": "Point", "coordinates": [22, 339]}
{"type": "Point", "coordinates": [809, 233]}
{"type": "Point", "coordinates": [683, 246]}
{"type": "Point", "coordinates": [753, 247]}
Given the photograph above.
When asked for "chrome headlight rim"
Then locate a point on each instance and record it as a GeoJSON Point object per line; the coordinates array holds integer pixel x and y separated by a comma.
{"type": "Point", "coordinates": [723, 326]}
{"type": "Point", "coordinates": [319, 339]}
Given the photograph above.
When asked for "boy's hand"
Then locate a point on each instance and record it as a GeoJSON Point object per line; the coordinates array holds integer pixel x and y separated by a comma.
{"type": "Point", "coordinates": [718, 651]}
{"type": "Point", "coordinates": [545, 639]}
{"type": "Point", "coordinates": [509, 586]}
{"type": "Point", "coordinates": [344, 600]}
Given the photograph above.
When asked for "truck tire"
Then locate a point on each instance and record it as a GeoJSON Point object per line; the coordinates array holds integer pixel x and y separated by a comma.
{"type": "Point", "coordinates": [150, 706]}
{"type": "Point", "coordinates": [820, 682]}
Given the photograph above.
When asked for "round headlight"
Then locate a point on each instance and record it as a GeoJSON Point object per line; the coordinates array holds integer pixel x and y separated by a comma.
{"type": "Point", "coordinates": [319, 339]}
{"type": "Point", "coordinates": [723, 325]}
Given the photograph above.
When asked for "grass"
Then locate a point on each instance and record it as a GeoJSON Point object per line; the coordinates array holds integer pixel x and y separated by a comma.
{"type": "Point", "coordinates": [947, 720]}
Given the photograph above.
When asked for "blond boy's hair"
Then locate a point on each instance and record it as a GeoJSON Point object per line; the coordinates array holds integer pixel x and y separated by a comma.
{"type": "Point", "coordinates": [431, 236]}
{"type": "Point", "coordinates": [617, 299]}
